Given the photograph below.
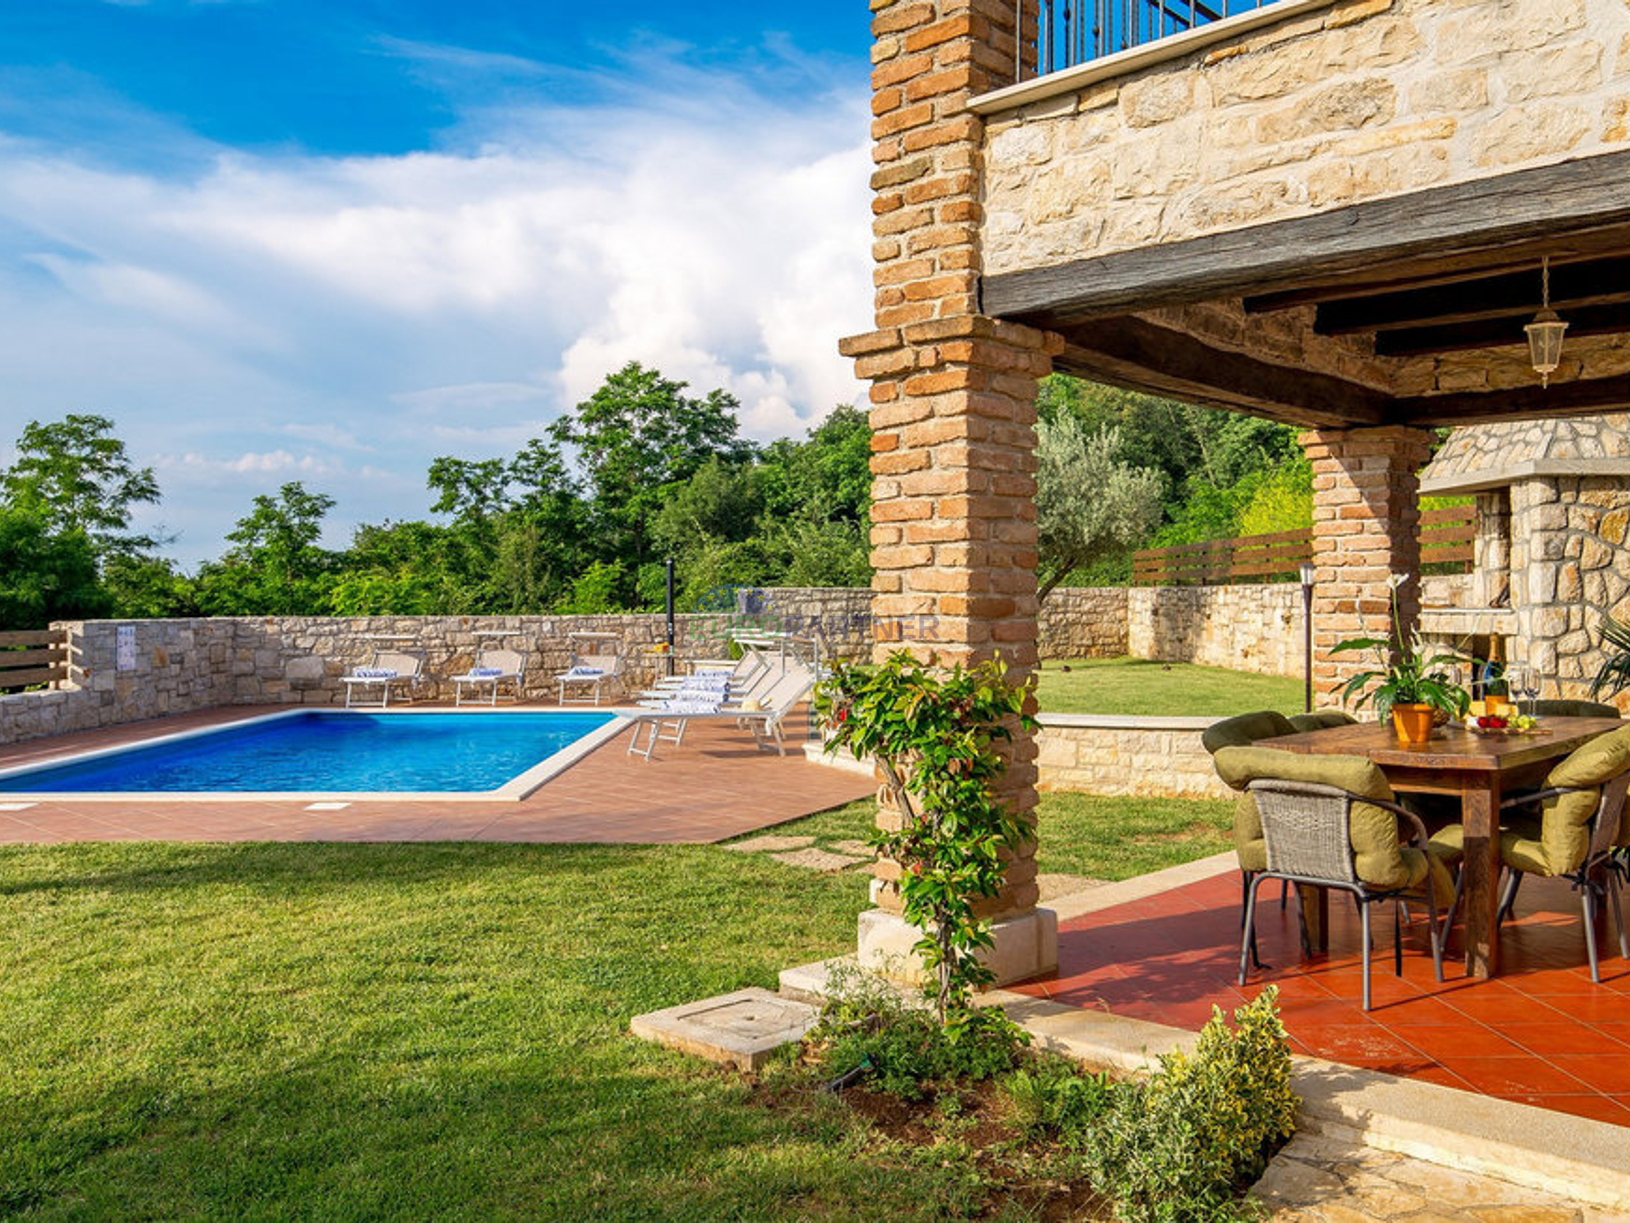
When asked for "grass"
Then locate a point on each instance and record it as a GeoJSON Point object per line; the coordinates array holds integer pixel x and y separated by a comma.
{"type": "Point", "coordinates": [1140, 687]}
{"type": "Point", "coordinates": [439, 1032]}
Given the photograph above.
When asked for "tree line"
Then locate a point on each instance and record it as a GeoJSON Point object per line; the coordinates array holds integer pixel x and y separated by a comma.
{"type": "Point", "coordinates": [582, 518]}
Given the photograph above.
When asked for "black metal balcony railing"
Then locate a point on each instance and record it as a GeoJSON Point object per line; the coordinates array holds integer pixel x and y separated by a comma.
{"type": "Point", "coordinates": [1071, 32]}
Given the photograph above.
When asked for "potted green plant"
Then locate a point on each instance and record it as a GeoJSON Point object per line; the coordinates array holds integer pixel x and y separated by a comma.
{"type": "Point", "coordinates": [1412, 686]}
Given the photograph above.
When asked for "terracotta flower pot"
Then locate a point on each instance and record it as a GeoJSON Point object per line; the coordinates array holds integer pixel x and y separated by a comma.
{"type": "Point", "coordinates": [1413, 723]}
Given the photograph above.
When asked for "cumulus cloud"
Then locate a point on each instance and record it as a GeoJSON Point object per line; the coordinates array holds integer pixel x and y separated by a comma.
{"type": "Point", "coordinates": [448, 300]}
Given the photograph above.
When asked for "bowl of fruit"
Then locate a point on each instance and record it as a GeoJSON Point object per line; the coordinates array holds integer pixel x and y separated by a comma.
{"type": "Point", "coordinates": [1500, 723]}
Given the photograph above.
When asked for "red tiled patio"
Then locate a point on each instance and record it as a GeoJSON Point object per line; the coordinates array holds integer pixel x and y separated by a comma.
{"type": "Point", "coordinates": [1542, 1033]}
{"type": "Point", "coordinates": [718, 785]}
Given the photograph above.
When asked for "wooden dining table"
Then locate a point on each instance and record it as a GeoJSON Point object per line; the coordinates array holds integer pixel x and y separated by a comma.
{"type": "Point", "coordinates": [1479, 769]}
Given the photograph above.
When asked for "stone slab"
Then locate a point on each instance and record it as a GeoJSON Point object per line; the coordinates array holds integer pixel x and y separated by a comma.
{"type": "Point", "coordinates": [741, 1029]}
{"type": "Point", "coordinates": [819, 860]}
{"type": "Point", "coordinates": [765, 845]}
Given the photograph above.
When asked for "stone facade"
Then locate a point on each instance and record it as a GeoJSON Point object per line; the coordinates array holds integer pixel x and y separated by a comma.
{"type": "Point", "coordinates": [1139, 757]}
{"type": "Point", "coordinates": [1243, 628]}
{"type": "Point", "coordinates": [1358, 101]}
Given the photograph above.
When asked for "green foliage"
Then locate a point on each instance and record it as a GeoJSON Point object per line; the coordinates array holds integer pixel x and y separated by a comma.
{"type": "Point", "coordinates": [594, 593]}
{"type": "Point", "coordinates": [75, 475]}
{"type": "Point", "coordinates": [904, 1051]}
{"type": "Point", "coordinates": [1613, 676]}
{"type": "Point", "coordinates": [1407, 674]}
{"type": "Point", "coordinates": [1178, 1147]}
{"type": "Point", "coordinates": [275, 567]}
{"type": "Point", "coordinates": [934, 736]}
{"type": "Point", "coordinates": [45, 575]}
{"type": "Point", "coordinates": [1054, 1096]}
{"type": "Point", "coordinates": [1089, 504]}
{"type": "Point", "coordinates": [1281, 499]}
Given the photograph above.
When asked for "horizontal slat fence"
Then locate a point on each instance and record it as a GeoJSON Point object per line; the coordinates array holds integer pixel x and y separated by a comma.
{"type": "Point", "coordinates": [1446, 547]}
{"type": "Point", "coordinates": [32, 657]}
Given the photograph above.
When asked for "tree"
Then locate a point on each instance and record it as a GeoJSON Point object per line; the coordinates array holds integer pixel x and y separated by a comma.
{"type": "Point", "coordinates": [276, 567]}
{"type": "Point", "coordinates": [45, 574]}
{"type": "Point", "coordinates": [74, 475]}
{"type": "Point", "coordinates": [1088, 503]}
{"type": "Point", "coordinates": [635, 438]}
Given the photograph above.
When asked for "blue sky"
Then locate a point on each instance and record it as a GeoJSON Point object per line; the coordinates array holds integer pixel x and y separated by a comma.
{"type": "Point", "coordinates": [328, 241]}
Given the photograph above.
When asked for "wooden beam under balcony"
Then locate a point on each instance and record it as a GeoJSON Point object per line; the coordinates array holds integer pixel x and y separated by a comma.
{"type": "Point", "coordinates": [1573, 209]}
{"type": "Point", "coordinates": [1584, 397]}
{"type": "Point", "coordinates": [1141, 356]}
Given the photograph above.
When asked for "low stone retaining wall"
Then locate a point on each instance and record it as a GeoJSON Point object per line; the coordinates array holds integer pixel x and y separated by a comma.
{"type": "Point", "coordinates": [1085, 622]}
{"type": "Point", "coordinates": [1131, 756]}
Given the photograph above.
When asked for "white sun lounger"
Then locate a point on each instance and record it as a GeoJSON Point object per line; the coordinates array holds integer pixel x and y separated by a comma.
{"type": "Point", "coordinates": [492, 669]}
{"type": "Point", "coordinates": [665, 721]}
{"type": "Point", "coordinates": [596, 660]}
{"type": "Point", "coordinates": [389, 668]}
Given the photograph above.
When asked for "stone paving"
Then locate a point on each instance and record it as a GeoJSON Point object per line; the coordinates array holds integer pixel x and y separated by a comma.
{"type": "Point", "coordinates": [1323, 1180]}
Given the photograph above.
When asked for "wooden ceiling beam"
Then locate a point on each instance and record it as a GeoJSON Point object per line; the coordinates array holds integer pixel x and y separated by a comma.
{"type": "Point", "coordinates": [1141, 356]}
{"type": "Point", "coordinates": [1573, 286]}
{"type": "Point", "coordinates": [1448, 268]}
{"type": "Point", "coordinates": [1422, 230]}
{"type": "Point", "coordinates": [1497, 333]}
{"type": "Point", "coordinates": [1583, 397]}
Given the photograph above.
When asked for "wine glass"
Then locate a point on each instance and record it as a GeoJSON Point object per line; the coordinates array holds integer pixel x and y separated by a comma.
{"type": "Point", "coordinates": [1530, 687]}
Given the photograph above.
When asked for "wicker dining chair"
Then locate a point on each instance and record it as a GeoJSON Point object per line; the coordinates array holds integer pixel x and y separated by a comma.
{"type": "Point", "coordinates": [1345, 837]}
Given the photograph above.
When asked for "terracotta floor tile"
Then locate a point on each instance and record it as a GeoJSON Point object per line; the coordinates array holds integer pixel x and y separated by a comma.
{"type": "Point", "coordinates": [1563, 1037]}
{"type": "Point", "coordinates": [1512, 1076]}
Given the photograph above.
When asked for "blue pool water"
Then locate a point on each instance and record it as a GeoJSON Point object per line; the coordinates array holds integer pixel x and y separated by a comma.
{"type": "Point", "coordinates": [330, 752]}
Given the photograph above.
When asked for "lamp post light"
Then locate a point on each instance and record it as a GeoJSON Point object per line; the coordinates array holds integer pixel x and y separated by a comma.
{"type": "Point", "coordinates": [1307, 634]}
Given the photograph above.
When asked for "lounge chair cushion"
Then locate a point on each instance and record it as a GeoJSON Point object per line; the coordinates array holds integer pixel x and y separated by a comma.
{"type": "Point", "coordinates": [374, 673]}
{"type": "Point", "coordinates": [1245, 729]}
{"type": "Point", "coordinates": [1320, 719]}
{"type": "Point", "coordinates": [1564, 831]}
{"type": "Point", "coordinates": [1378, 859]}
{"type": "Point", "coordinates": [1565, 707]}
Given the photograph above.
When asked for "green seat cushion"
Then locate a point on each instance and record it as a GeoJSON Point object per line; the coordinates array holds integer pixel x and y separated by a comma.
{"type": "Point", "coordinates": [1378, 859]}
{"type": "Point", "coordinates": [1321, 719]}
{"type": "Point", "coordinates": [1245, 729]}
{"type": "Point", "coordinates": [1571, 708]}
{"type": "Point", "coordinates": [1563, 837]}
{"type": "Point", "coordinates": [1249, 844]}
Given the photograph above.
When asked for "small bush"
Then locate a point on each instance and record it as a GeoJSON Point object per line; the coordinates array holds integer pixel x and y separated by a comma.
{"type": "Point", "coordinates": [1054, 1096]}
{"type": "Point", "coordinates": [904, 1051]}
{"type": "Point", "coordinates": [1180, 1146]}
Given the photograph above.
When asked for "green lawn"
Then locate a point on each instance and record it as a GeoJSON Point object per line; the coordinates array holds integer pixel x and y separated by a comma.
{"type": "Point", "coordinates": [1138, 686]}
{"type": "Point", "coordinates": [352, 1031]}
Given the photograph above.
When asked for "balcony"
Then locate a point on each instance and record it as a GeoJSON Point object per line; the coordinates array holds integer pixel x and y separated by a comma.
{"type": "Point", "coordinates": [1071, 33]}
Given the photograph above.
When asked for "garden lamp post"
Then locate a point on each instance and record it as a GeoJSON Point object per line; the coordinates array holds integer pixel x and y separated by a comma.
{"type": "Point", "coordinates": [1307, 635]}
{"type": "Point", "coordinates": [668, 584]}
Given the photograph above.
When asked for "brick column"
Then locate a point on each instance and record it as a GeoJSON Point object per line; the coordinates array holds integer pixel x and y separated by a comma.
{"type": "Point", "coordinates": [1366, 526]}
{"type": "Point", "coordinates": [953, 416]}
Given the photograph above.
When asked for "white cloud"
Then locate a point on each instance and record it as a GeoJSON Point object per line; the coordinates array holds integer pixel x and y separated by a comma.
{"type": "Point", "coordinates": [436, 301]}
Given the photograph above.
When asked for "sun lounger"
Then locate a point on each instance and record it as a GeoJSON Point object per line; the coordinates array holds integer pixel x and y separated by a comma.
{"type": "Point", "coordinates": [666, 720]}
{"type": "Point", "coordinates": [596, 661]}
{"type": "Point", "coordinates": [493, 668]}
{"type": "Point", "coordinates": [389, 669]}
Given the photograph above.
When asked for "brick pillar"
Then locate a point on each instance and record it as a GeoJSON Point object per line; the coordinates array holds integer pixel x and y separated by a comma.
{"type": "Point", "coordinates": [953, 414]}
{"type": "Point", "coordinates": [1366, 526]}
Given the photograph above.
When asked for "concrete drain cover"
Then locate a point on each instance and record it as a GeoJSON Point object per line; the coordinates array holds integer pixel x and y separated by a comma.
{"type": "Point", "coordinates": [740, 1029]}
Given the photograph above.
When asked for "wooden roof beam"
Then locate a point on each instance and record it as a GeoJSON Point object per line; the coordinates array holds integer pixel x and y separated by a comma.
{"type": "Point", "coordinates": [1421, 230]}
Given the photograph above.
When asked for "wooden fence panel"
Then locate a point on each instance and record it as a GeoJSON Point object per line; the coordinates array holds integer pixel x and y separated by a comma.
{"type": "Point", "coordinates": [1447, 537]}
{"type": "Point", "coordinates": [31, 657]}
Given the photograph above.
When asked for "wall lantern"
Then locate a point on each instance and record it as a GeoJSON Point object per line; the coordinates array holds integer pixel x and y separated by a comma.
{"type": "Point", "coordinates": [1545, 332]}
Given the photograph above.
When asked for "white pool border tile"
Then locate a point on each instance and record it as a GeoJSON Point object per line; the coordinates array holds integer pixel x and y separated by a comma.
{"type": "Point", "coordinates": [512, 791]}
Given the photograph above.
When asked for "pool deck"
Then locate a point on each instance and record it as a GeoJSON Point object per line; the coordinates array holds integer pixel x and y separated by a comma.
{"type": "Point", "coordinates": [718, 785]}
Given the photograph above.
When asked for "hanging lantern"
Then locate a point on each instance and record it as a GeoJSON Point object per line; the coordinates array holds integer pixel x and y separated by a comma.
{"type": "Point", "coordinates": [1545, 332]}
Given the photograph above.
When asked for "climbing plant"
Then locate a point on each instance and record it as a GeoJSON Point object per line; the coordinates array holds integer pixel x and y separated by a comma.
{"type": "Point", "coordinates": [935, 735]}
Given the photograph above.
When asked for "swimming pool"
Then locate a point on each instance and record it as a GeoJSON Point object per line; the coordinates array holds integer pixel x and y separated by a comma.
{"type": "Point", "coordinates": [340, 753]}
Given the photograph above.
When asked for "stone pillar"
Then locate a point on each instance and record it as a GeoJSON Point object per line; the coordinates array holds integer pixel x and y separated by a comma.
{"type": "Point", "coordinates": [1366, 526]}
{"type": "Point", "coordinates": [953, 419]}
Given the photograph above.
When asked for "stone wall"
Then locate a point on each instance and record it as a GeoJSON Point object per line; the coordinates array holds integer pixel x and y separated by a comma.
{"type": "Point", "coordinates": [1143, 757]}
{"type": "Point", "coordinates": [1084, 622]}
{"type": "Point", "coordinates": [1244, 628]}
{"type": "Point", "coordinates": [1362, 100]}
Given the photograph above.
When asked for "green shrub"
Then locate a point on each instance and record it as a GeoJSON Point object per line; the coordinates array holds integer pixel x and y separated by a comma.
{"type": "Point", "coordinates": [904, 1051]}
{"type": "Point", "coordinates": [1054, 1096]}
{"type": "Point", "coordinates": [1178, 1147]}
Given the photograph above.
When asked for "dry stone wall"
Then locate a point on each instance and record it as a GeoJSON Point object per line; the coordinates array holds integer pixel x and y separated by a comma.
{"type": "Point", "coordinates": [1361, 100]}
